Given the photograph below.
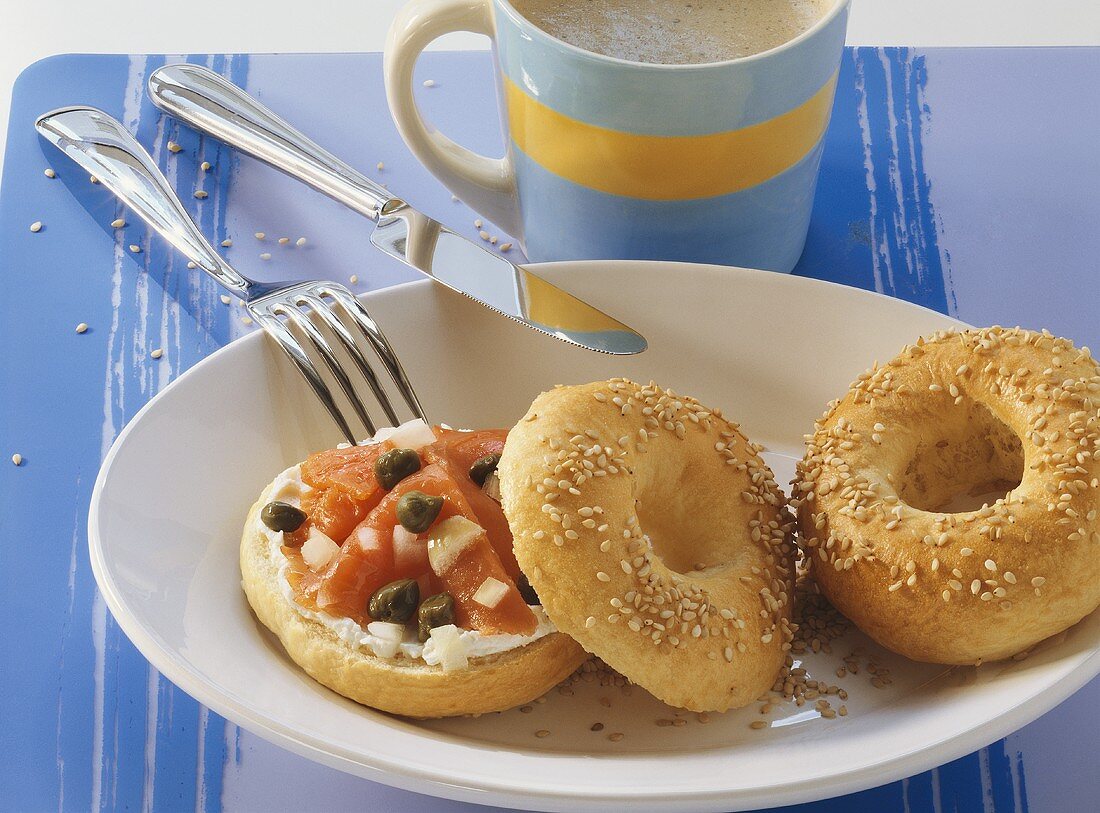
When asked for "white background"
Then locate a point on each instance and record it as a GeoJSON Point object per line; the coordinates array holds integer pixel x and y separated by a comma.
{"type": "Point", "coordinates": [32, 29]}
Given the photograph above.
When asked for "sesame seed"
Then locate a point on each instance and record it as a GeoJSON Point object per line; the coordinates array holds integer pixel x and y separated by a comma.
{"type": "Point", "coordinates": [49, 173]}
{"type": "Point", "coordinates": [93, 179]}
{"type": "Point", "coordinates": [118, 223]}
{"type": "Point", "coordinates": [603, 576]}
{"type": "Point", "coordinates": [590, 622]}
{"type": "Point", "coordinates": [615, 737]}
{"type": "Point", "coordinates": [260, 235]}
{"type": "Point", "coordinates": [206, 166]}
{"type": "Point", "coordinates": [246, 320]}
{"type": "Point", "coordinates": [226, 243]}
{"type": "Point", "coordinates": [478, 224]}
{"type": "Point", "coordinates": [429, 83]}
{"type": "Point", "coordinates": [173, 147]}
{"type": "Point", "coordinates": [36, 226]}
{"type": "Point", "coordinates": [17, 459]}
{"type": "Point", "coordinates": [202, 194]}
{"type": "Point", "coordinates": [157, 353]}
{"type": "Point", "coordinates": [542, 732]}
{"type": "Point", "coordinates": [284, 241]}
{"type": "Point", "coordinates": [225, 299]}
{"type": "Point", "coordinates": [758, 724]}
{"type": "Point", "coordinates": [82, 327]}
{"type": "Point", "coordinates": [1038, 581]}
{"type": "Point", "coordinates": [265, 256]}
{"type": "Point", "coordinates": [505, 246]}
{"type": "Point", "coordinates": [192, 265]}
{"type": "Point", "coordinates": [134, 249]}
{"type": "Point", "coordinates": [484, 235]}
{"type": "Point", "coordinates": [353, 279]}
{"type": "Point", "coordinates": [301, 241]}
{"type": "Point", "coordinates": [990, 565]}
{"type": "Point", "coordinates": [596, 727]}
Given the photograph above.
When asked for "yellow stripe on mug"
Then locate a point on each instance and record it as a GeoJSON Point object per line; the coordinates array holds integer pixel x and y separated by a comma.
{"type": "Point", "coordinates": [653, 167]}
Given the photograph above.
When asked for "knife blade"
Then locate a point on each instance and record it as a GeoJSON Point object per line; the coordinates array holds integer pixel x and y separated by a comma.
{"type": "Point", "coordinates": [204, 100]}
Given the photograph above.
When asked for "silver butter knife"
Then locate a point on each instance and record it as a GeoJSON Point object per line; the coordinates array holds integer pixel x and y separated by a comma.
{"type": "Point", "coordinates": [204, 100]}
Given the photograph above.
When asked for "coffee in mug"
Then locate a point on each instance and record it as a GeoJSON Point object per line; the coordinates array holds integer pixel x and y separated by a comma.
{"type": "Point", "coordinates": [674, 32]}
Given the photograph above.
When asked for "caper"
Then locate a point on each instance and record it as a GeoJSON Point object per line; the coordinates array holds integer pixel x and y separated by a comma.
{"type": "Point", "coordinates": [395, 465]}
{"type": "Point", "coordinates": [526, 590]}
{"type": "Point", "coordinates": [281, 516]}
{"type": "Point", "coordinates": [483, 467]}
{"type": "Point", "coordinates": [416, 511]}
{"type": "Point", "coordinates": [437, 611]}
{"type": "Point", "coordinates": [395, 602]}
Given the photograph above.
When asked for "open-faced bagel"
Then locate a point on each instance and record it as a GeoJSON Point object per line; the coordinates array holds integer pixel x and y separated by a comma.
{"type": "Point", "coordinates": [397, 685]}
{"type": "Point", "coordinates": [1004, 411]}
{"type": "Point", "coordinates": [655, 536]}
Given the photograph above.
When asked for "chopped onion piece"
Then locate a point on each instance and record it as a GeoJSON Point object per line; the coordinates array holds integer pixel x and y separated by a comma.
{"type": "Point", "coordinates": [368, 538]}
{"type": "Point", "coordinates": [389, 638]}
{"type": "Point", "coordinates": [414, 434]}
{"type": "Point", "coordinates": [448, 539]}
{"type": "Point", "coordinates": [490, 592]}
{"type": "Point", "coordinates": [318, 550]}
{"type": "Point", "coordinates": [451, 647]}
{"type": "Point", "coordinates": [402, 536]}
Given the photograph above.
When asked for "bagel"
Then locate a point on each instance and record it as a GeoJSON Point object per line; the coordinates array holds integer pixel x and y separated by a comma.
{"type": "Point", "coordinates": [1001, 411]}
{"type": "Point", "coordinates": [656, 537]}
{"type": "Point", "coordinates": [400, 685]}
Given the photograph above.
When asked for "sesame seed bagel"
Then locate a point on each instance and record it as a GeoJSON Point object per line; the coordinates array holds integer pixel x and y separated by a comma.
{"type": "Point", "coordinates": [397, 685]}
{"type": "Point", "coordinates": [1008, 416]}
{"type": "Point", "coordinates": [655, 536]}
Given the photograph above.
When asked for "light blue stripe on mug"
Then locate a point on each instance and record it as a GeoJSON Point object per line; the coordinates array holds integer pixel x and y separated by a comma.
{"type": "Point", "coordinates": [662, 99]}
{"type": "Point", "coordinates": [761, 227]}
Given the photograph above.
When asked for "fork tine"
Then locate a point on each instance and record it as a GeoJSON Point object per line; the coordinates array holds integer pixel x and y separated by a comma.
{"type": "Point", "coordinates": [290, 345]}
{"type": "Point", "coordinates": [322, 309]}
{"type": "Point", "coordinates": [379, 342]}
{"type": "Point", "coordinates": [301, 321]}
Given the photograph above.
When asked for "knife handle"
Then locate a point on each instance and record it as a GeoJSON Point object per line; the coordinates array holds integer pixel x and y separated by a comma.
{"type": "Point", "coordinates": [204, 100]}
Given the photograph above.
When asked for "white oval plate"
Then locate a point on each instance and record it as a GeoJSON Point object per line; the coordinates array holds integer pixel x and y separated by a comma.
{"type": "Point", "coordinates": [769, 349]}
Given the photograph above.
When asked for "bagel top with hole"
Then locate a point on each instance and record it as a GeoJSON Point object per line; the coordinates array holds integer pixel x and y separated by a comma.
{"type": "Point", "coordinates": [655, 536]}
{"type": "Point", "coordinates": [1010, 420]}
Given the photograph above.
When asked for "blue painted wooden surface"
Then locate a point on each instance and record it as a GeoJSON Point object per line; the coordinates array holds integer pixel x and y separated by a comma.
{"type": "Point", "coordinates": [963, 180]}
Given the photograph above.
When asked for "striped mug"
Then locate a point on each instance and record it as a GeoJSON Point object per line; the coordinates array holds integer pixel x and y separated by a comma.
{"type": "Point", "coordinates": [611, 159]}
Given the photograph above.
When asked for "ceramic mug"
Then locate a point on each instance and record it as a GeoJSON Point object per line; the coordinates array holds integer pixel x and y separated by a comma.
{"type": "Point", "coordinates": [612, 159]}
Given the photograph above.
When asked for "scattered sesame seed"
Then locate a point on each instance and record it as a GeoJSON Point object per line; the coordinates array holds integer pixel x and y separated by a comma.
{"type": "Point", "coordinates": [36, 226]}
{"type": "Point", "coordinates": [118, 223]}
{"type": "Point", "coordinates": [429, 83]}
{"type": "Point", "coordinates": [526, 709]}
{"type": "Point", "coordinates": [478, 224]}
{"type": "Point", "coordinates": [284, 241]}
{"type": "Point", "coordinates": [225, 299]}
{"type": "Point", "coordinates": [758, 724]}
{"type": "Point", "coordinates": [173, 147]}
{"type": "Point", "coordinates": [49, 173]}
{"type": "Point", "coordinates": [17, 459]}
{"type": "Point", "coordinates": [93, 179]}
{"type": "Point", "coordinates": [454, 198]}
{"type": "Point", "coordinates": [505, 246]}
{"type": "Point", "coordinates": [590, 622]}
{"type": "Point", "coordinates": [135, 249]}
{"type": "Point", "coordinates": [484, 235]}
{"type": "Point", "coordinates": [542, 732]}
{"type": "Point", "coordinates": [618, 735]}
{"type": "Point", "coordinates": [381, 166]}
{"type": "Point", "coordinates": [260, 235]}
{"type": "Point", "coordinates": [353, 279]}
{"type": "Point", "coordinates": [192, 265]}
{"type": "Point", "coordinates": [227, 242]}
{"type": "Point", "coordinates": [157, 353]}
{"type": "Point", "coordinates": [202, 194]}
{"type": "Point", "coordinates": [603, 576]}
{"type": "Point", "coordinates": [82, 327]}
{"type": "Point", "coordinates": [206, 166]}
{"type": "Point", "coordinates": [246, 320]}
{"type": "Point", "coordinates": [301, 241]}
{"type": "Point", "coordinates": [265, 256]}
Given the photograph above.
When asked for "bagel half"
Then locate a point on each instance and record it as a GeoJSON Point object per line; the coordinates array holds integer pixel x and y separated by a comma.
{"type": "Point", "coordinates": [1009, 411]}
{"type": "Point", "coordinates": [656, 537]}
{"type": "Point", "coordinates": [396, 685]}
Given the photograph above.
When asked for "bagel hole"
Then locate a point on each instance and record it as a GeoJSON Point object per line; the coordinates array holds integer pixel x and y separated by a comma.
{"type": "Point", "coordinates": [970, 459]}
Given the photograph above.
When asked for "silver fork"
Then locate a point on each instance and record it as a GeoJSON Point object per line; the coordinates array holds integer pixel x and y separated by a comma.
{"type": "Point", "coordinates": [105, 149]}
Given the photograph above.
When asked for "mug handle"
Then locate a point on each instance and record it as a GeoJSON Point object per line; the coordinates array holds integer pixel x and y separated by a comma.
{"type": "Point", "coordinates": [487, 184]}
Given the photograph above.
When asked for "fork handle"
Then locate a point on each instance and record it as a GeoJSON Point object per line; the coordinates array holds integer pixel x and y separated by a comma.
{"type": "Point", "coordinates": [204, 100]}
{"type": "Point", "coordinates": [106, 150]}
